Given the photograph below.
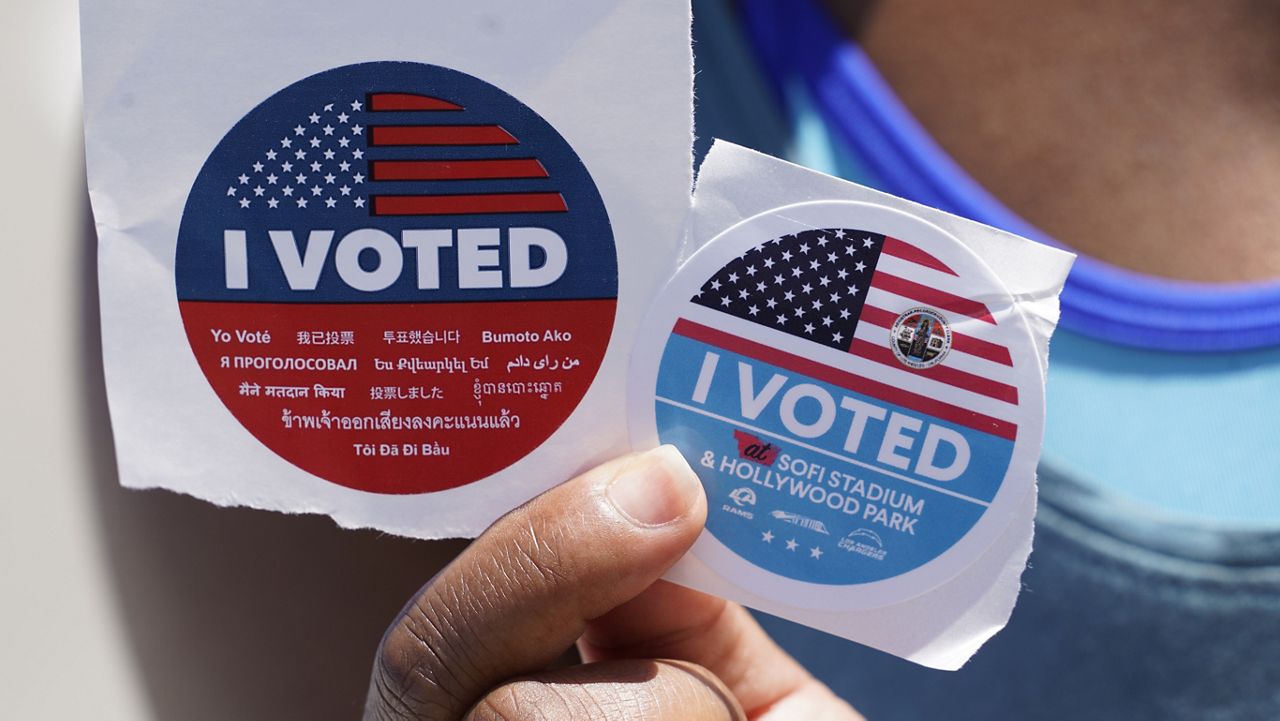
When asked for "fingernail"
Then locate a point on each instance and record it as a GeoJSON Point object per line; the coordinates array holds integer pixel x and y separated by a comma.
{"type": "Point", "coordinates": [655, 488]}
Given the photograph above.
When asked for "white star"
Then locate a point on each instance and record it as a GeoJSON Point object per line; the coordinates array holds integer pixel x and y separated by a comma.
{"type": "Point", "coordinates": [860, 266]}
{"type": "Point", "coordinates": [257, 167]}
{"type": "Point", "coordinates": [315, 190]}
{"type": "Point", "coordinates": [271, 179]}
{"type": "Point", "coordinates": [842, 274]}
{"type": "Point", "coordinates": [844, 314]}
{"type": "Point", "coordinates": [357, 178]}
{"type": "Point", "coordinates": [300, 179]}
{"type": "Point", "coordinates": [822, 241]}
{"type": "Point", "coordinates": [796, 272]}
{"type": "Point", "coordinates": [328, 130]}
{"type": "Point", "coordinates": [760, 287]}
{"type": "Point", "coordinates": [791, 544]}
{"type": "Point", "coordinates": [837, 337]}
{"type": "Point", "coordinates": [786, 255]}
{"type": "Point", "coordinates": [302, 202]}
{"type": "Point", "coordinates": [314, 118]}
{"type": "Point", "coordinates": [329, 178]}
{"type": "Point", "coordinates": [315, 166]}
{"type": "Point", "coordinates": [286, 167]}
{"type": "Point", "coordinates": [288, 190]}
{"type": "Point", "coordinates": [328, 154]}
{"type": "Point", "coordinates": [272, 203]}
{"type": "Point", "coordinates": [259, 190]}
{"type": "Point", "coordinates": [866, 242]}
{"type": "Point", "coordinates": [733, 277]}
{"type": "Point", "coordinates": [345, 190]}
{"type": "Point", "coordinates": [767, 536]}
{"type": "Point", "coordinates": [826, 321]}
{"type": "Point", "coordinates": [853, 290]}
{"type": "Point", "coordinates": [751, 270]}
{"type": "Point", "coordinates": [315, 142]}
{"type": "Point", "coordinates": [244, 202]}
{"type": "Point", "coordinates": [344, 142]}
{"type": "Point", "coordinates": [782, 319]}
{"type": "Point", "coordinates": [271, 155]}
{"type": "Point", "coordinates": [725, 301]}
{"type": "Point", "coordinates": [800, 311]}
{"type": "Point", "coordinates": [344, 166]}
{"type": "Point", "coordinates": [817, 304]}
{"type": "Point", "coordinates": [824, 281]}
{"type": "Point", "coordinates": [356, 105]}
{"type": "Point", "coordinates": [850, 250]}
{"type": "Point", "coordinates": [768, 262]}
{"type": "Point", "coordinates": [771, 303]}
{"type": "Point", "coordinates": [813, 265]}
{"type": "Point", "coordinates": [743, 294]}
{"type": "Point", "coordinates": [300, 155]}
{"type": "Point", "coordinates": [231, 190]}
{"type": "Point", "coordinates": [840, 234]}
{"type": "Point", "coordinates": [806, 288]}
{"type": "Point", "coordinates": [831, 257]}
{"type": "Point", "coordinates": [330, 202]}
{"type": "Point", "coordinates": [808, 328]}
{"type": "Point", "coordinates": [835, 297]}
{"type": "Point", "coordinates": [357, 129]}
{"type": "Point", "coordinates": [244, 179]}
{"type": "Point", "coordinates": [359, 202]}
{"type": "Point", "coordinates": [286, 143]}
{"type": "Point", "coordinates": [715, 284]}
{"type": "Point", "coordinates": [342, 117]}
{"type": "Point", "coordinates": [299, 130]}
{"type": "Point", "coordinates": [357, 153]}
{"type": "Point", "coordinates": [754, 310]}
{"type": "Point", "coordinates": [815, 552]}
{"type": "Point", "coordinates": [789, 296]}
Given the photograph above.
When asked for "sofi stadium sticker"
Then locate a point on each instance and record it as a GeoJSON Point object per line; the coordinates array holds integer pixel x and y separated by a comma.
{"type": "Point", "coordinates": [396, 276]}
{"type": "Point", "coordinates": [858, 394]}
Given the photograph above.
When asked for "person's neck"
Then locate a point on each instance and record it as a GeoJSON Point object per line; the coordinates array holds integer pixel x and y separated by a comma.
{"type": "Point", "coordinates": [1145, 133]}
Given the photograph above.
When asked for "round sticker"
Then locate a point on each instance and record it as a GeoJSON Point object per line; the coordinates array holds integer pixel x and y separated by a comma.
{"type": "Point", "coordinates": [396, 276]}
{"type": "Point", "coordinates": [858, 394]}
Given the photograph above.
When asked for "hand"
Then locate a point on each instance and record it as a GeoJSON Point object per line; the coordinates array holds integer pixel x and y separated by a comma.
{"type": "Point", "coordinates": [581, 564]}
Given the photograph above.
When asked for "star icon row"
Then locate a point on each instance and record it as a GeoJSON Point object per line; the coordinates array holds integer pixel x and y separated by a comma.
{"type": "Point", "coordinates": [814, 552]}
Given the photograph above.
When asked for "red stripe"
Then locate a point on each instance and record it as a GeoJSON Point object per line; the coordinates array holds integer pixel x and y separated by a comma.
{"type": "Point", "coordinates": [468, 204]}
{"type": "Point", "coordinates": [939, 373]}
{"type": "Point", "coordinates": [379, 102]}
{"type": "Point", "coordinates": [857, 384]}
{"type": "Point", "coordinates": [993, 352]}
{"type": "Point", "coordinates": [456, 169]}
{"type": "Point", "coordinates": [905, 251]}
{"type": "Point", "coordinates": [440, 135]}
{"type": "Point", "coordinates": [931, 296]}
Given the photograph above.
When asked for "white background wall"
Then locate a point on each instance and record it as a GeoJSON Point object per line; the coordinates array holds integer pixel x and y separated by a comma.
{"type": "Point", "coordinates": [125, 605]}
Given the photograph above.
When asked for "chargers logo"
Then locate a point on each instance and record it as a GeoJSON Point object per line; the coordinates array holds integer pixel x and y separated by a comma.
{"type": "Point", "coordinates": [419, 249]}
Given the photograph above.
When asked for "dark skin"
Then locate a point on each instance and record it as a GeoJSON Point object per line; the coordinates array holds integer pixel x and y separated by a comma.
{"type": "Point", "coordinates": [580, 564]}
{"type": "Point", "coordinates": [284, 612]}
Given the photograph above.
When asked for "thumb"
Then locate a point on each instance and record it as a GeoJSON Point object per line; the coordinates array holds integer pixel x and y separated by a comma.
{"type": "Point", "coordinates": [524, 591]}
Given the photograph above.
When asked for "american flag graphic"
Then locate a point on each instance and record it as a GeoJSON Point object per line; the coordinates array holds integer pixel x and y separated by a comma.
{"type": "Point", "coordinates": [844, 289]}
{"type": "Point", "coordinates": [386, 153]}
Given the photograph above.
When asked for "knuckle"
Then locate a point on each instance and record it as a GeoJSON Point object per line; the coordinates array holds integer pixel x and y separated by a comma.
{"type": "Point", "coordinates": [531, 700]}
{"type": "Point", "coordinates": [414, 673]}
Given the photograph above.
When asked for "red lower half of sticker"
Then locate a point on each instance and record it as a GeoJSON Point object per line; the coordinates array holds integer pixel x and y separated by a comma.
{"type": "Point", "coordinates": [400, 398]}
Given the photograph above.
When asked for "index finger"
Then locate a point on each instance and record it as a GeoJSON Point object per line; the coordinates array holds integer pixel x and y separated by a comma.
{"type": "Point", "coordinates": [524, 591]}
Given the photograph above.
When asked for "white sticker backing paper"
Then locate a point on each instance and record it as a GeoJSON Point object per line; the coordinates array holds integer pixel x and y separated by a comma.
{"type": "Point", "coordinates": [859, 383]}
{"type": "Point", "coordinates": [384, 263]}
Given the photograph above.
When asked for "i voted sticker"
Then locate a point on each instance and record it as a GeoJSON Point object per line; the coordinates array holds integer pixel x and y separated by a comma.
{"type": "Point", "coordinates": [858, 394]}
{"type": "Point", "coordinates": [397, 276]}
